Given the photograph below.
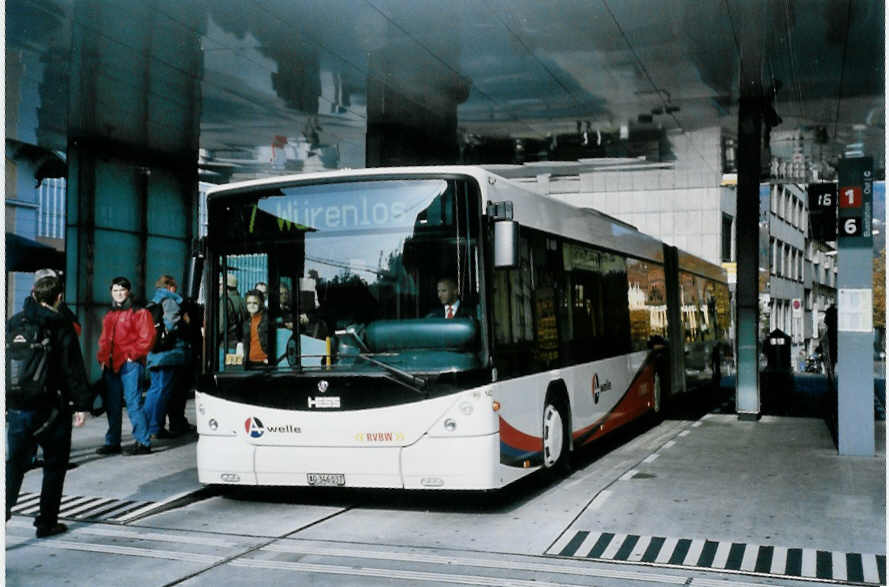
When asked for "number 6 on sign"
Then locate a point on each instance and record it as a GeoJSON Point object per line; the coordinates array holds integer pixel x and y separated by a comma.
{"type": "Point", "coordinates": [850, 197]}
{"type": "Point", "coordinates": [852, 226]}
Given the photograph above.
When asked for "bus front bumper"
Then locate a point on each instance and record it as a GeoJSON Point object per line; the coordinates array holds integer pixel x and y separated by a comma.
{"type": "Point", "coordinates": [468, 463]}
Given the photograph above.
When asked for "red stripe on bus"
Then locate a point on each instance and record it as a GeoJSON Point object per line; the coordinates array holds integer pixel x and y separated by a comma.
{"type": "Point", "coordinates": [518, 439]}
{"type": "Point", "coordinates": [636, 401]}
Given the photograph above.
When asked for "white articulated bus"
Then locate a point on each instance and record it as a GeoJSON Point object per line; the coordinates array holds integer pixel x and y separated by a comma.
{"type": "Point", "coordinates": [571, 324]}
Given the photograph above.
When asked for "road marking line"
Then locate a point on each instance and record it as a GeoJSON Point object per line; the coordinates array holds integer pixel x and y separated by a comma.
{"type": "Point", "coordinates": [121, 550]}
{"type": "Point", "coordinates": [684, 433]}
{"type": "Point", "coordinates": [651, 458]}
{"type": "Point", "coordinates": [35, 507]}
{"type": "Point", "coordinates": [628, 475]}
{"type": "Point", "coordinates": [145, 511]}
{"type": "Point", "coordinates": [562, 542]}
{"type": "Point", "coordinates": [694, 552]}
{"type": "Point", "coordinates": [808, 562]}
{"type": "Point", "coordinates": [779, 560]}
{"type": "Point", "coordinates": [613, 546]}
{"type": "Point", "coordinates": [587, 543]}
{"type": "Point", "coordinates": [451, 578]}
{"type": "Point", "coordinates": [839, 565]}
{"type": "Point", "coordinates": [292, 547]}
{"type": "Point", "coordinates": [721, 555]}
{"type": "Point", "coordinates": [666, 550]}
{"type": "Point", "coordinates": [156, 536]}
{"type": "Point", "coordinates": [25, 502]}
{"type": "Point", "coordinates": [704, 582]}
{"type": "Point", "coordinates": [748, 563]}
{"type": "Point", "coordinates": [120, 510]}
{"type": "Point", "coordinates": [387, 573]}
{"type": "Point", "coordinates": [670, 444]}
{"type": "Point", "coordinates": [869, 566]}
{"type": "Point", "coordinates": [67, 513]}
{"type": "Point", "coordinates": [639, 551]}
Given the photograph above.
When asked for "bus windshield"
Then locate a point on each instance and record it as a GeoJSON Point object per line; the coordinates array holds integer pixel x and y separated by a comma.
{"type": "Point", "coordinates": [355, 276]}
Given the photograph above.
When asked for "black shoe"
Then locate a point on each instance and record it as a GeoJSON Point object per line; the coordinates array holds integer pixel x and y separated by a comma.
{"type": "Point", "coordinates": [108, 449]}
{"type": "Point", "coordinates": [46, 531]}
{"type": "Point", "coordinates": [137, 448]}
{"type": "Point", "coordinates": [163, 434]}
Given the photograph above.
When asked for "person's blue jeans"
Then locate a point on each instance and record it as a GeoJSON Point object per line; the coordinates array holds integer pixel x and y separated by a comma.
{"type": "Point", "coordinates": [55, 440]}
{"type": "Point", "coordinates": [158, 395]}
{"type": "Point", "coordinates": [125, 386]}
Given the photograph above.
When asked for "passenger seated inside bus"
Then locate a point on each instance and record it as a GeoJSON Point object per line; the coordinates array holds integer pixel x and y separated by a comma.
{"type": "Point", "coordinates": [256, 330]}
{"type": "Point", "coordinates": [285, 305]}
{"type": "Point", "coordinates": [451, 304]}
{"type": "Point", "coordinates": [311, 322]}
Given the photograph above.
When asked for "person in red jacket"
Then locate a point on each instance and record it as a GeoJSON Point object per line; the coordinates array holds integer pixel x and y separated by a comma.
{"type": "Point", "coordinates": [127, 336]}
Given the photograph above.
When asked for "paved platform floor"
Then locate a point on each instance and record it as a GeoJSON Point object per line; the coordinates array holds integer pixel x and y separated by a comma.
{"type": "Point", "coordinates": [700, 491]}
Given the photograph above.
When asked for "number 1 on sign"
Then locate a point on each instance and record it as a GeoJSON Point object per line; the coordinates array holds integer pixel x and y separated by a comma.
{"type": "Point", "coordinates": [850, 197]}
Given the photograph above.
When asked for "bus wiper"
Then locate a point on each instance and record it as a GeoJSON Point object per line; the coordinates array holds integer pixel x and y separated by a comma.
{"type": "Point", "coordinates": [418, 384]}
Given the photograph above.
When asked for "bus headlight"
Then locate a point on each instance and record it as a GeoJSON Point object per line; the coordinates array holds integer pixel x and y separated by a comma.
{"type": "Point", "coordinates": [466, 408]}
{"type": "Point", "coordinates": [450, 424]}
{"type": "Point", "coordinates": [213, 424]}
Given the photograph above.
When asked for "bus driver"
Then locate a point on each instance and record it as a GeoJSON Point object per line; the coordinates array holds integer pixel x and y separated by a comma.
{"type": "Point", "coordinates": [451, 305]}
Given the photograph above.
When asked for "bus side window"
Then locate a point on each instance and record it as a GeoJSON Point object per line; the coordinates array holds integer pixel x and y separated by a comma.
{"type": "Point", "coordinates": [513, 318]}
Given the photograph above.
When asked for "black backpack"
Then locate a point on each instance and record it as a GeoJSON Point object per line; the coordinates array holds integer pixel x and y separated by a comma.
{"type": "Point", "coordinates": [28, 348]}
{"type": "Point", "coordinates": [165, 339]}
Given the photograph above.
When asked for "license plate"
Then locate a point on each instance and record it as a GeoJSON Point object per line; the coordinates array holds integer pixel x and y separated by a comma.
{"type": "Point", "coordinates": [326, 479]}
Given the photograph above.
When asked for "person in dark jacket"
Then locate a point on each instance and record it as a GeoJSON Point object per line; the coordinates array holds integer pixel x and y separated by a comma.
{"type": "Point", "coordinates": [256, 330]}
{"type": "Point", "coordinates": [47, 420]}
{"type": "Point", "coordinates": [64, 310]}
{"type": "Point", "coordinates": [66, 313]}
{"type": "Point", "coordinates": [232, 313]}
{"type": "Point", "coordinates": [163, 365]}
{"type": "Point", "coordinates": [127, 337]}
{"type": "Point", "coordinates": [451, 304]}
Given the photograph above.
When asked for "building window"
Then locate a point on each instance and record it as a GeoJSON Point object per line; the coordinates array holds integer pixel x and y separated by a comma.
{"type": "Point", "coordinates": [788, 268]}
{"type": "Point", "coordinates": [772, 260]}
{"type": "Point", "coordinates": [727, 237]}
{"type": "Point", "coordinates": [774, 199]}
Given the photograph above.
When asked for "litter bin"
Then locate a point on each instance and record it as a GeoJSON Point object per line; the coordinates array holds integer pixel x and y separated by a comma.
{"type": "Point", "coordinates": [777, 350]}
{"type": "Point", "coordinates": [777, 378]}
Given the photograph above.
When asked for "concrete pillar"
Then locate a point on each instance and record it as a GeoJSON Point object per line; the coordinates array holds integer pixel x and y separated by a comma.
{"type": "Point", "coordinates": [747, 401]}
{"type": "Point", "coordinates": [855, 373]}
{"type": "Point", "coordinates": [750, 121]}
{"type": "Point", "coordinates": [132, 153]}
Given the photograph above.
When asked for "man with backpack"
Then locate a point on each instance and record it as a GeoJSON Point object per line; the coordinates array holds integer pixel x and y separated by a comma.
{"type": "Point", "coordinates": [169, 352]}
{"type": "Point", "coordinates": [45, 375]}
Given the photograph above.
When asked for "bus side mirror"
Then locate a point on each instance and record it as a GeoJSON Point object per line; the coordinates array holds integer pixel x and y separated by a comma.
{"type": "Point", "coordinates": [506, 244]}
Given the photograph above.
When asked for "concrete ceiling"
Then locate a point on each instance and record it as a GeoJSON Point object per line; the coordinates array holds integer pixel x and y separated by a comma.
{"type": "Point", "coordinates": [528, 69]}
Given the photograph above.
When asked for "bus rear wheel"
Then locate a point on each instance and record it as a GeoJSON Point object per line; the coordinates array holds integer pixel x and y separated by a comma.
{"type": "Point", "coordinates": [555, 438]}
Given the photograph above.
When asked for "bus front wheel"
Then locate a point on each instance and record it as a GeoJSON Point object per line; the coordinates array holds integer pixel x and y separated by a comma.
{"type": "Point", "coordinates": [555, 437]}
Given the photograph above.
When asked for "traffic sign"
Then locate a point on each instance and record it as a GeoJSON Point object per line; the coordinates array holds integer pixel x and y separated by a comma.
{"type": "Point", "coordinates": [823, 211]}
{"type": "Point", "coordinates": [855, 199]}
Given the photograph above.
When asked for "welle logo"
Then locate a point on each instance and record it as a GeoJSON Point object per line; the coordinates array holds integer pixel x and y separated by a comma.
{"type": "Point", "coordinates": [599, 388]}
{"type": "Point", "coordinates": [254, 428]}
